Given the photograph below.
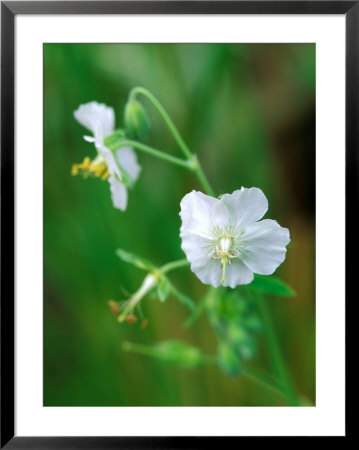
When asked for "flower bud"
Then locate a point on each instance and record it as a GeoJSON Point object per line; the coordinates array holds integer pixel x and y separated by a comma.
{"type": "Point", "coordinates": [179, 353]}
{"type": "Point", "coordinates": [136, 120]}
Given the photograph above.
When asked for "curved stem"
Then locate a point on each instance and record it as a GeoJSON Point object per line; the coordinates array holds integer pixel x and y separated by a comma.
{"type": "Point", "coordinates": [163, 113]}
{"type": "Point", "coordinates": [192, 159]}
{"type": "Point", "coordinates": [174, 265]}
{"type": "Point", "coordinates": [275, 352]}
{"type": "Point", "coordinates": [153, 152]}
{"type": "Point", "coordinates": [197, 168]}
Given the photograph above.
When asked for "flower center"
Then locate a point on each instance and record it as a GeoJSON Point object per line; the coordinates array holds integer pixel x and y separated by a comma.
{"type": "Point", "coordinates": [225, 253]}
{"type": "Point", "coordinates": [96, 168]}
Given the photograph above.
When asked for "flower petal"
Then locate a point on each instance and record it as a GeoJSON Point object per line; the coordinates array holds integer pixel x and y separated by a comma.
{"type": "Point", "coordinates": [245, 206]}
{"type": "Point", "coordinates": [263, 246]}
{"type": "Point", "coordinates": [197, 213]}
{"type": "Point", "coordinates": [118, 193]}
{"type": "Point", "coordinates": [98, 118]}
{"type": "Point", "coordinates": [197, 249]}
{"type": "Point", "coordinates": [110, 160]}
{"type": "Point", "coordinates": [209, 273]}
{"type": "Point", "coordinates": [127, 159]}
{"type": "Point", "coordinates": [237, 273]}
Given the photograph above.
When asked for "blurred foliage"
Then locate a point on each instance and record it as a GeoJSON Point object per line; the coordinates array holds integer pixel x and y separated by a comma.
{"type": "Point", "coordinates": [248, 111]}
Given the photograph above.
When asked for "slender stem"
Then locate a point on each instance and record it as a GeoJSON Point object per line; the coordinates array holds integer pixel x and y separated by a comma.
{"type": "Point", "coordinates": [275, 352]}
{"type": "Point", "coordinates": [197, 168]}
{"type": "Point", "coordinates": [192, 159]}
{"type": "Point", "coordinates": [174, 265]}
{"type": "Point", "coordinates": [153, 152]}
{"type": "Point", "coordinates": [139, 348]}
{"type": "Point", "coordinates": [183, 298]}
{"type": "Point", "coordinates": [140, 90]}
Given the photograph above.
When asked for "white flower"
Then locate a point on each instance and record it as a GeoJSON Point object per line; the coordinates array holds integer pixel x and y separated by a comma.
{"type": "Point", "coordinates": [119, 169]}
{"type": "Point", "coordinates": [223, 240]}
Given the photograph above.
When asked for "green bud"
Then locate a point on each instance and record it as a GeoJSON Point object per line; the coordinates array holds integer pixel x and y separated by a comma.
{"type": "Point", "coordinates": [228, 359]}
{"type": "Point", "coordinates": [136, 120]}
{"type": "Point", "coordinates": [179, 353]}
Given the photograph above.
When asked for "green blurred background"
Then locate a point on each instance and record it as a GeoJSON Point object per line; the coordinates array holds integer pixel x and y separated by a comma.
{"type": "Point", "coordinates": [248, 111]}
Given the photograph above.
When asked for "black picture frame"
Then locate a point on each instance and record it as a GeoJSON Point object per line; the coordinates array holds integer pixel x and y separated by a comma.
{"type": "Point", "coordinates": [9, 10]}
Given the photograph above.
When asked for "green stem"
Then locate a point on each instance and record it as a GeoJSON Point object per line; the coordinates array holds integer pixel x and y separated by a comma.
{"type": "Point", "coordinates": [275, 352]}
{"type": "Point", "coordinates": [192, 159]}
{"type": "Point", "coordinates": [139, 349]}
{"type": "Point", "coordinates": [183, 298]}
{"type": "Point", "coordinates": [174, 265]}
{"type": "Point", "coordinates": [197, 168]}
{"type": "Point", "coordinates": [163, 113]}
{"type": "Point", "coordinates": [151, 151]}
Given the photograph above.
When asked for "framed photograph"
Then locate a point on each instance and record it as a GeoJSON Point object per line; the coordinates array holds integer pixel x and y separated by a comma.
{"type": "Point", "coordinates": [174, 181]}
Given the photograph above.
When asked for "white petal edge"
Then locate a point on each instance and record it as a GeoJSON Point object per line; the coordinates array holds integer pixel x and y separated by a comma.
{"type": "Point", "coordinates": [263, 246]}
{"type": "Point", "coordinates": [197, 213]}
{"type": "Point", "coordinates": [96, 117]}
{"type": "Point", "coordinates": [127, 159]}
{"type": "Point", "coordinates": [118, 193]}
{"type": "Point", "coordinates": [108, 156]}
{"type": "Point", "coordinates": [237, 274]}
{"type": "Point", "coordinates": [198, 250]}
{"type": "Point", "coordinates": [210, 273]}
{"type": "Point", "coordinates": [245, 206]}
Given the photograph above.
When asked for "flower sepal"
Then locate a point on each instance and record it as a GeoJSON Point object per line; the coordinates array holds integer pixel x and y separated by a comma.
{"type": "Point", "coordinates": [113, 141]}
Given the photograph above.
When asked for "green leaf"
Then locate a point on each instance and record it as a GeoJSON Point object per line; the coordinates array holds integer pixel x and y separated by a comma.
{"type": "Point", "coordinates": [163, 289]}
{"type": "Point", "coordinates": [135, 260]}
{"type": "Point", "coordinates": [271, 285]}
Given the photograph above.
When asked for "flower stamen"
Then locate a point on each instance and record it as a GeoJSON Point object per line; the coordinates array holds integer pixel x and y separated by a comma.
{"type": "Point", "coordinates": [225, 253]}
{"type": "Point", "coordinates": [96, 168]}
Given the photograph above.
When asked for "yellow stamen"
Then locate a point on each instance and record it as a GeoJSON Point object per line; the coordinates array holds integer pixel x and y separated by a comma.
{"type": "Point", "coordinates": [85, 163]}
{"type": "Point", "coordinates": [91, 168]}
{"type": "Point", "coordinates": [98, 169]}
{"type": "Point", "coordinates": [74, 170]}
{"type": "Point", "coordinates": [105, 175]}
